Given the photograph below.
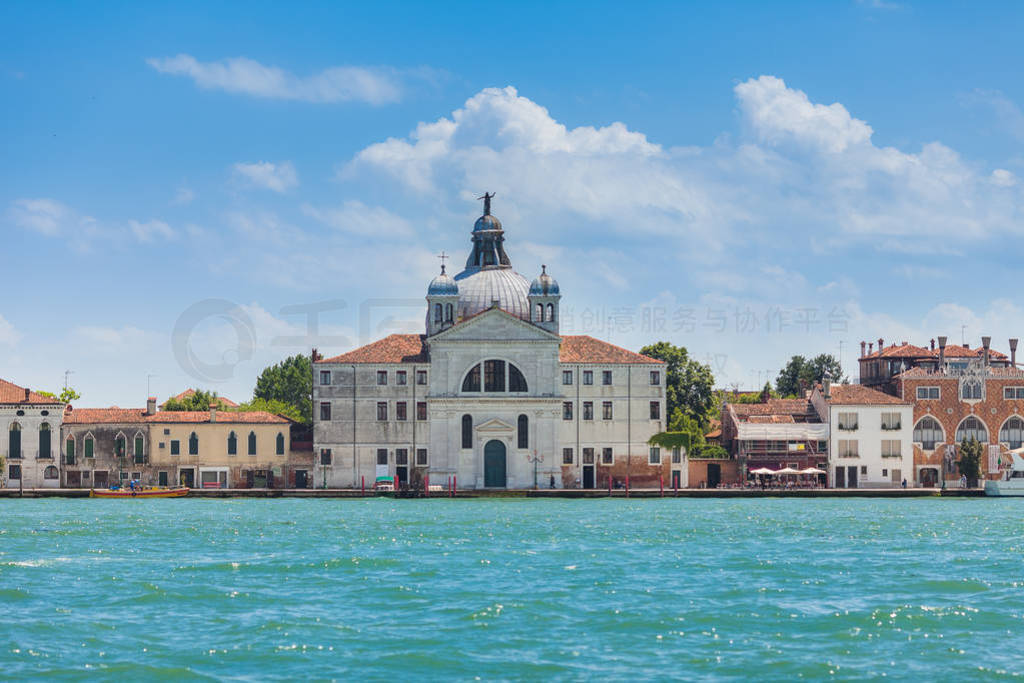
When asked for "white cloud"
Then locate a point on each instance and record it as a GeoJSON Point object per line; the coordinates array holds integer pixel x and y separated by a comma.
{"type": "Point", "coordinates": [249, 77]}
{"type": "Point", "coordinates": [46, 216]}
{"type": "Point", "coordinates": [356, 218]}
{"type": "Point", "coordinates": [184, 195]}
{"type": "Point", "coordinates": [278, 177]}
{"type": "Point", "coordinates": [150, 230]}
{"type": "Point", "coordinates": [1003, 178]}
{"type": "Point", "coordinates": [8, 335]}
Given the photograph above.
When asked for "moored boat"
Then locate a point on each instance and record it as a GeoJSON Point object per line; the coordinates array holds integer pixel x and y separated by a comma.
{"type": "Point", "coordinates": [176, 492]}
{"type": "Point", "coordinates": [1012, 481]}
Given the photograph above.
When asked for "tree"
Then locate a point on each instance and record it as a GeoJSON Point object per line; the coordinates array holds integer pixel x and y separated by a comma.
{"type": "Point", "coordinates": [688, 385]}
{"type": "Point", "coordinates": [291, 382]}
{"type": "Point", "coordinates": [800, 374]}
{"type": "Point", "coordinates": [274, 407]}
{"type": "Point", "coordinates": [970, 460]}
{"type": "Point", "coordinates": [67, 395]}
{"type": "Point", "coordinates": [197, 400]}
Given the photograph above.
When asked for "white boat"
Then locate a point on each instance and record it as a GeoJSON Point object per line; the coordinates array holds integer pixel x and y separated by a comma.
{"type": "Point", "coordinates": [1012, 481]}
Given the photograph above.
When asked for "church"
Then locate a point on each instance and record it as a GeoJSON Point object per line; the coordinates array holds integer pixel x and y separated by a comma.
{"type": "Point", "coordinates": [491, 395]}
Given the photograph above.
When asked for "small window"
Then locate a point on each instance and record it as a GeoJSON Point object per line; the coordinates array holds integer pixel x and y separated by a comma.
{"type": "Point", "coordinates": [677, 455]}
{"type": "Point", "coordinates": [467, 431]}
{"type": "Point", "coordinates": [14, 472]}
{"type": "Point", "coordinates": [885, 473]}
{"type": "Point", "coordinates": [891, 422]}
{"type": "Point", "coordinates": [252, 443]}
{"type": "Point", "coordinates": [279, 446]}
{"type": "Point", "coordinates": [890, 448]}
{"type": "Point", "coordinates": [140, 451]}
{"type": "Point", "coordinates": [588, 456]}
{"type": "Point", "coordinates": [382, 378]}
{"type": "Point", "coordinates": [566, 456]}
{"type": "Point", "coordinates": [120, 446]}
{"type": "Point", "coordinates": [167, 431]}
{"type": "Point", "coordinates": [588, 377]}
{"type": "Point", "coordinates": [606, 456]}
{"type": "Point", "coordinates": [588, 410]}
{"type": "Point", "coordinates": [382, 411]}
{"type": "Point", "coordinates": [928, 393]}
{"type": "Point", "coordinates": [421, 410]}
{"type": "Point", "coordinates": [161, 478]}
{"type": "Point", "coordinates": [606, 410]}
{"type": "Point", "coordinates": [175, 447]}
{"type": "Point", "coordinates": [567, 410]}
{"type": "Point", "coordinates": [69, 451]}
{"type": "Point", "coordinates": [193, 444]}
{"type": "Point", "coordinates": [325, 456]}
{"type": "Point", "coordinates": [325, 377]}
{"type": "Point", "coordinates": [566, 377]}
{"type": "Point", "coordinates": [421, 457]}
{"type": "Point", "coordinates": [654, 457]}
{"type": "Point", "coordinates": [606, 378]}
{"type": "Point", "coordinates": [421, 377]}
{"type": "Point", "coordinates": [325, 411]}
{"type": "Point", "coordinates": [402, 456]}
{"type": "Point", "coordinates": [848, 421]}
{"type": "Point", "coordinates": [232, 444]}
{"type": "Point", "coordinates": [90, 447]}
{"type": "Point", "coordinates": [400, 378]}
{"type": "Point", "coordinates": [849, 448]}
{"type": "Point", "coordinates": [400, 411]}
{"type": "Point", "coordinates": [864, 470]}
{"type": "Point", "coordinates": [655, 410]}
{"type": "Point", "coordinates": [523, 432]}
{"type": "Point", "coordinates": [1013, 393]}
{"type": "Point", "coordinates": [382, 456]}
{"type": "Point", "coordinates": [655, 377]}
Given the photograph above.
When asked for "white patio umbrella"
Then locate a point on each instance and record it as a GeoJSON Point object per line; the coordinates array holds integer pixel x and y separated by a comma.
{"type": "Point", "coordinates": [788, 470]}
{"type": "Point", "coordinates": [812, 470]}
{"type": "Point", "coordinates": [762, 470]}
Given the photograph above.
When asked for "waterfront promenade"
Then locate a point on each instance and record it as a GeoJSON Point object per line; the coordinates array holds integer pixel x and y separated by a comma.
{"type": "Point", "coordinates": [537, 493]}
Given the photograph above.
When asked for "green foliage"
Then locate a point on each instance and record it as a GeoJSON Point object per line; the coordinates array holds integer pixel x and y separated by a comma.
{"type": "Point", "coordinates": [291, 382]}
{"type": "Point", "coordinates": [672, 440]}
{"type": "Point", "coordinates": [199, 400]}
{"type": "Point", "coordinates": [688, 385]}
{"type": "Point", "coordinates": [273, 407]}
{"type": "Point", "coordinates": [67, 395]}
{"type": "Point", "coordinates": [800, 374]}
{"type": "Point", "coordinates": [970, 460]}
{"type": "Point", "coordinates": [710, 451]}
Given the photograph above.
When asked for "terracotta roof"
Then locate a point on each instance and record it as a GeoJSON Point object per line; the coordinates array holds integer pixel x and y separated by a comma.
{"type": "Point", "coordinates": [771, 419]}
{"type": "Point", "coordinates": [89, 416]}
{"type": "Point", "coordinates": [12, 393]}
{"type": "Point", "coordinates": [992, 354]}
{"type": "Point", "coordinates": [191, 392]}
{"type": "Point", "coordinates": [714, 434]}
{"type": "Point", "coordinates": [223, 416]}
{"type": "Point", "coordinates": [957, 351]}
{"type": "Point", "coordinates": [394, 348]}
{"type": "Point", "coordinates": [994, 373]}
{"type": "Point", "coordinates": [579, 348]}
{"type": "Point", "coordinates": [855, 394]}
{"type": "Point", "coordinates": [774, 406]}
{"type": "Point", "coordinates": [409, 348]}
{"type": "Point", "coordinates": [901, 351]}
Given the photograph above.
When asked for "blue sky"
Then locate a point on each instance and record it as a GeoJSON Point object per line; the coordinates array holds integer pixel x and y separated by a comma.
{"type": "Point", "coordinates": [750, 180]}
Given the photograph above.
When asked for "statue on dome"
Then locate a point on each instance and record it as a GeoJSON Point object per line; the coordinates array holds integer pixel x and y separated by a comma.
{"type": "Point", "coordinates": [487, 202]}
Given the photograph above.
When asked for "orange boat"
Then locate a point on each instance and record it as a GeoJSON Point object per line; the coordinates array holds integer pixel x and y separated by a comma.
{"type": "Point", "coordinates": [177, 492]}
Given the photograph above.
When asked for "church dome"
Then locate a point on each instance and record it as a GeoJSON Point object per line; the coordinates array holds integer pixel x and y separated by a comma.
{"type": "Point", "coordinates": [443, 285]}
{"type": "Point", "coordinates": [479, 290]}
{"type": "Point", "coordinates": [544, 284]}
{"type": "Point", "coordinates": [487, 222]}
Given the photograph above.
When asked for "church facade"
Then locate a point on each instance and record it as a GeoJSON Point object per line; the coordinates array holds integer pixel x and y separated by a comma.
{"type": "Point", "coordinates": [491, 394]}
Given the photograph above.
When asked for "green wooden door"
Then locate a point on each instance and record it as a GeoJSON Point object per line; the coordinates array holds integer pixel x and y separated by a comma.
{"type": "Point", "coordinates": [494, 465]}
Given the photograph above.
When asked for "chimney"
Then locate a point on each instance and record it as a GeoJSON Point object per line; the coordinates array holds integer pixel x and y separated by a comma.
{"type": "Point", "coordinates": [881, 344]}
{"type": "Point", "coordinates": [942, 353]}
{"type": "Point", "coordinates": [827, 385]}
{"type": "Point", "coordinates": [967, 346]}
{"type": "Point", "coordinates": [871, 348]}
{"type": "Point", "coordinates": [933, 343]}
{"type": "Point", "coordinates": [27, 394]}
{"type": "Point", "coordinates": [213, 413]}
{"type": "Point", "coordinates": [985, 343]}
{"type": "Point", "coordinates": [863, 345]}
{"type": "Point", "coordinates": [151, 405]}
{"type": "Point", "coordinates": [1013, 353]}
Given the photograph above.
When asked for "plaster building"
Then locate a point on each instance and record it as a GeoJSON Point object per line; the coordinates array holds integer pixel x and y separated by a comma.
{"type": "Point", "coordinates": [491, 393]}
{"type": "Point", "coordinates": [869, 436]}
{"type": "Point", "coordinates": [31, 423]}
{"type": "Point", "coordinates": [962, 397]}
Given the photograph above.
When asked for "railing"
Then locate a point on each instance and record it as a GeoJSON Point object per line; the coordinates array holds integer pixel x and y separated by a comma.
{"type": "Point", "coordinates": [892, 428]}
{"type": "Point", "coordinates": [848, 428]}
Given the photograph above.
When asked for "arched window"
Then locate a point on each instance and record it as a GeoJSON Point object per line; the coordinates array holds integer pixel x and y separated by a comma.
{"type": "Point", "coordinates": [44, 441]}
{"type": "Point", "coordinates": [193, 444]}
{"type": "Point", "coordinates": [516, 381]}
{"type": "Point", "coordinates": [551, 313]}
{"type": "Point", "coordinates": [140, 449]}
{"type": "Point", "coordinates": [467, 431]}
{"type": "Point", "coordinates": [448, 313]}
{"type": "Point", "coordinates": [523, 432]}
{"type": "Point", "coordinates": [280, 444]}
{"type": "Point", "coordinates": [1012, 432]}
{"type": "Point", "coordinates": [89, 447]}
{"type": "Point", "coordinates": [120, 445]}
{"type": "Point", "coordinates": [14, 441]}
{"type": "Point", "coordinates": [971, 389]}
{"type": "Point", "coordinates": [252, 443]}
{"type": "Point", "coordinates": [971, 427]}
{"type": "Point", "coordinates": [69, 450]}
{"type": "Point", "coordinates": [539, 318]}
{"type": "Point", "coordinates": [232, 444]}
{"type": "Point", "coordinates": [928, 432]}
{"type": "Point", "coordinates": [51, 473]}
{"type": "Point", "coordinates": [437, 313]}
{"type": "Point", "coordinates": [495, 376]}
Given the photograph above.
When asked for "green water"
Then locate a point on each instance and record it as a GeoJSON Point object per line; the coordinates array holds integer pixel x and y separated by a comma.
{"type": "Point", "coordinates": [567, 589]}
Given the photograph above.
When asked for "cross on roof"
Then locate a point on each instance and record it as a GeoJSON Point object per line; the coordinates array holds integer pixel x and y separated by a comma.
{"type": "Point", "coordinates": [443, 256]}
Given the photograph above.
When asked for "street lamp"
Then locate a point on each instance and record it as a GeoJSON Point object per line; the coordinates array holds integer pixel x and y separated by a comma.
{"type": "Point", "coordinates": [534, 459]}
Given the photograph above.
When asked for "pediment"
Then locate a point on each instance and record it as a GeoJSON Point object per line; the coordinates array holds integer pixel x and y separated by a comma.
{"type": "Point", "coordinates": [494, 425]}
{"type": "Point", "coordinates": [495, 325]}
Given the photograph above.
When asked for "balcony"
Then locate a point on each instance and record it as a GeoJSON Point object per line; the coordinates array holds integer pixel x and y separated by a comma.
{"type": "Point", "coordinates": [892, 428]}
{"type": "Point", "coordinates": [849, 454]}
{"type": "Point", "coordinates": [847, 427]}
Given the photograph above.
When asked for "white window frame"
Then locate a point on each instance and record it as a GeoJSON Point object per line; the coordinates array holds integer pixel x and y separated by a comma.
{"type": "Point", "coordinates": [927, 390]}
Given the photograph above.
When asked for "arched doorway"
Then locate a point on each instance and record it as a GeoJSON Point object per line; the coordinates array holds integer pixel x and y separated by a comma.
{"type": "Point", "coordinates": [494, 464]}
{"type": "Point", "coordinates": [928, 476]}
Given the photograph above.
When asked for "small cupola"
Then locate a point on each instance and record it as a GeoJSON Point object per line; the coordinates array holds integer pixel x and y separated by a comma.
{"type": "Point", "coordinates": [544, 296]}
{"type": "Point", "coordinates": [442, 302]}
